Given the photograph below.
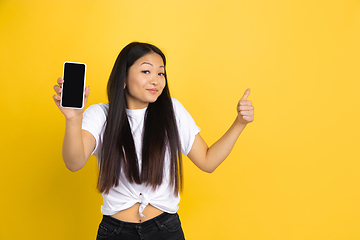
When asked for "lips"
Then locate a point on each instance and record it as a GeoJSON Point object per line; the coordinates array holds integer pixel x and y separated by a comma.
{"type": "Point", "coordinates": [152, 90]}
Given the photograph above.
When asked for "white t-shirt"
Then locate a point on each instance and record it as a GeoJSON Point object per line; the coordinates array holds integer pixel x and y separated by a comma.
{"type": "Point", "coordinates": [126, 194]}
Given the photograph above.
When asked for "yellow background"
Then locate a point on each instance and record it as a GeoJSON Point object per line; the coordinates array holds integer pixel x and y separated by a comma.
{"type": "Point", "coordinates": [294, 172]}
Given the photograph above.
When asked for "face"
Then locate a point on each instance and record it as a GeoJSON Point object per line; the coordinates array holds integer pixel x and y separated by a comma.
{"type": "Point", "coordinates": [145, 81]}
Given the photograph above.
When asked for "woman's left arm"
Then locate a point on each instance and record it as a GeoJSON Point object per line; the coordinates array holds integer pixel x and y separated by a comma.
{"type": "Point", "coordinates": [208, 159]}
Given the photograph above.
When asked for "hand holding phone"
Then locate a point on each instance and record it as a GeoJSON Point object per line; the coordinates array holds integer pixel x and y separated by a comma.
{"type": "Point", "coordinates": [72, 93]}
{"type": "Point", "coordinates": [69, 113]}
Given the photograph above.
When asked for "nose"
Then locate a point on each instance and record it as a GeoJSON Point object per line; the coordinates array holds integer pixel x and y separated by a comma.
{"type": "Point", "coordinates": [154, 80]}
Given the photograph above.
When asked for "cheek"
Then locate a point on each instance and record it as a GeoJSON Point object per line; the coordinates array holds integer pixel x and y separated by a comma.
{"type": "Point", "coordinates": [135, 85]}
{"type": "Point", "coordinates": [163, 83]}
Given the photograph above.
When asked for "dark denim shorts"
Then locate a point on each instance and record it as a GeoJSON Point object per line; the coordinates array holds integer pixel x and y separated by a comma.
{"type": "Point", "coordinates": [165, 226]}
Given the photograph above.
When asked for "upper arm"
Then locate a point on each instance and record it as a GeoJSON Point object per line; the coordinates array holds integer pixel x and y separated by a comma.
{"type": "Point", "coordinates": [89, 143]}
{"type": "Point", "coordinates": [93, 122]}
{"type": "Point", "coordinates": [198, 153]}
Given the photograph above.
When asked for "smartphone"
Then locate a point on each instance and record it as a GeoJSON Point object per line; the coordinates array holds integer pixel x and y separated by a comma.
{"type": "Point", "coordinates": [72, 95]}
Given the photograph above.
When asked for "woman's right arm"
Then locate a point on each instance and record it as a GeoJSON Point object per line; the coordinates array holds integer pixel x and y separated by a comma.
{"type": "Point", "coordinates": [78, 144]}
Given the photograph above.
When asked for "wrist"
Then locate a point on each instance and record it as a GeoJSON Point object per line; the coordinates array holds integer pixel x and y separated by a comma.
{"type": "Point", "coordinates": [74, 119]}
{"type": "Point", "coordinates": [241, 122]}
{"type": "Point", "coordinates": [240, 125]}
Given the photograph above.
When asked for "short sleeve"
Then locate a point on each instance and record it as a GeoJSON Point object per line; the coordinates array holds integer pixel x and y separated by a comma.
{"type": "Point", "coordinates": [94, 119]}
{"type": "Point", "coordinates": [187, 127]}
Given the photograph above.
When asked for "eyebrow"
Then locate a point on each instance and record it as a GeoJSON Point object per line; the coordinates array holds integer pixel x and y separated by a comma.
{"type": "Point", "coordinates": [150, 64]}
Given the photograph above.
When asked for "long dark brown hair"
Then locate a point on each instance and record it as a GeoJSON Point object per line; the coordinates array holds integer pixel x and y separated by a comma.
{"type": "Point", "coordinates": [160, 135]}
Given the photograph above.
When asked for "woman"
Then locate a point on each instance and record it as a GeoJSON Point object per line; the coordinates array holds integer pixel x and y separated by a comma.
{"type": "Point", "coordinates": [138, 138]}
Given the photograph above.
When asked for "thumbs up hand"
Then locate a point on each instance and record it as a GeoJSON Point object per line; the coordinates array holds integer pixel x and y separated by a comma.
{"type": "Point", "coordinates": [245, 109]}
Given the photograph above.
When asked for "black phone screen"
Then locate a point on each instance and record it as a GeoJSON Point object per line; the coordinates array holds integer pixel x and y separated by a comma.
{"type": "Point", "coordinates": [73, 86]}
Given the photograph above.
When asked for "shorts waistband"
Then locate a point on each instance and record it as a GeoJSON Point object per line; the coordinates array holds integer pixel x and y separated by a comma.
{"type": "Point", "coordinates": [158, 221]}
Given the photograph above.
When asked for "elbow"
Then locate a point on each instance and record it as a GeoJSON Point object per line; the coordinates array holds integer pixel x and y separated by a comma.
{"type": "Point", "coordinates": [72, 167]}
{"type": "Point", "coordinates": [74, 163]}
{"type": "Point", "coordinates": [208, 170]}
{"type": "Point", "coordinates": [207, 167]}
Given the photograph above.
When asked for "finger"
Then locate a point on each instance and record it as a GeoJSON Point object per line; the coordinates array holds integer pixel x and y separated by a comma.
{"type": "Point", "coordinates": [57, 99]}
{"type": "Point", "coordinates": [57, 89]}
{"type": "Point", "coordinates": [246, 94]}
{"type": "Point", "coordinates": [246, 113]}
{"type": "Point", "coordinates": [246, 108]}
{"type": "Point", "coordinates": [248, 118]}
{"type": "Point", "coordinates": [60, 81]}
{"type": "Point", "coordinates": [245, 103]}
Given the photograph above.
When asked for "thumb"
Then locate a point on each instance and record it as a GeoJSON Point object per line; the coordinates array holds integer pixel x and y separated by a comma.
{"type": "Point", "coordinates": [246, 94]}
{"type": "Point", "coordinates": [87, 90]}
{"type": "Point", "coordinates": [86, 95]}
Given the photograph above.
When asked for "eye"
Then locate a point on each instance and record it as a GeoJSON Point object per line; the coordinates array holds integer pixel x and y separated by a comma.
{"type": "Point", "coordinates": [161, 74]}
{"type": "Point", "coordinates": [146, 71]}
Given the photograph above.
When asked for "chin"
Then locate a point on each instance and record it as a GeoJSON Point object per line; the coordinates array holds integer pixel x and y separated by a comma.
{"type": "Point", "coordinates": [152, 100]}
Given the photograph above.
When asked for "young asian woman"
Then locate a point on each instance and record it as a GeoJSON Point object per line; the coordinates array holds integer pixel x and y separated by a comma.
{"type": "Point", "coordinates": [138, 138]}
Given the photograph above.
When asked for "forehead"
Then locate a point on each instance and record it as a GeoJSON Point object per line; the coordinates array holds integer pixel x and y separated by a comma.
{"type": "Point", "coordinates": [149, 59]}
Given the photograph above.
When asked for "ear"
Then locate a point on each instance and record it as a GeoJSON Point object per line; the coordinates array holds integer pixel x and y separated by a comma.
{"type": "Point", "coordinates": [125, 81]}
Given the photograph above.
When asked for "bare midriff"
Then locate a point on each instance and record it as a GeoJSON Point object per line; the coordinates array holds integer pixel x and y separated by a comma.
{"type": "Point", "coordinates": [132, 214]}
